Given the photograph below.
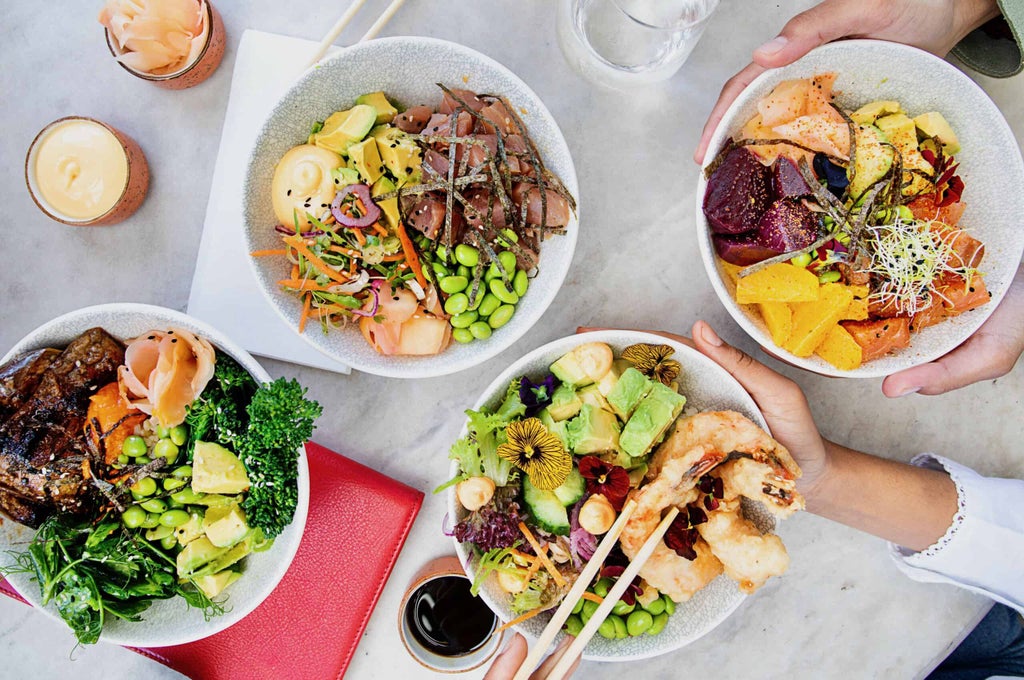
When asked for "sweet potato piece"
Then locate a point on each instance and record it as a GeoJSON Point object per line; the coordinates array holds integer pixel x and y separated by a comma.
{"type": "Point", "coordinates": [778, 316]}
{"type": "Point", "coordinates": [813, 320]}
{"type": "Point", "coordinates": [840, 349]}
{"type": "Point", "coordinates": [880, 337]}
{"type": "Point", "coordinates": [857, 311]}
{"type": "Point", "coordinates": [780, 282]}
{"type": "Point", "coordinates": [107, 408]}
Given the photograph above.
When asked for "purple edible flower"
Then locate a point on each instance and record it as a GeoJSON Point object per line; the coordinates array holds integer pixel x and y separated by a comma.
{"type": "Point", "coordinates": [535, 396]}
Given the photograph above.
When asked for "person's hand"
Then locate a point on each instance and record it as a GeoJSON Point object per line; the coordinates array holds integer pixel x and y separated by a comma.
{"type": "Point", "coordinates": [990, 353]}
{"type": "Point", "coordinates": [506, 664]}
{"type": "Point", "coordinates": [933, 25]}
{"type": "Point", "coordinates": [779, 399]}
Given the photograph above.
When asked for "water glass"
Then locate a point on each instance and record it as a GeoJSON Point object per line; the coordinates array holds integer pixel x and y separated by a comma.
{"type": "Point", "coordinates": [630, 43]}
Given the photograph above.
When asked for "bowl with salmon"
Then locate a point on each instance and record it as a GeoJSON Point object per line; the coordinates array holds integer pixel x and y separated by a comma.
{"type": "Point", "coordinates": [850, 212]}
{"type": "Point", "coordinates": [153, 488]}
{"type": "Point", "coordinates": [410, 207]}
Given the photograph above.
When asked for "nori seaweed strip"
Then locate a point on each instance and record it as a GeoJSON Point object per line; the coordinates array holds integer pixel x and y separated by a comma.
{"type": "Point", "coordinates": [784, 257]}
{"type": "Point", "coordinates": [866, 211]}
{"type": "Point", "coordinates": [506, 202]}
{"type": "Point", "coordinates": [538, 164]}
{"type": "Point", "coordinates": [475, 114]}
{"type": "Point", "coordinates": [770, 142]}
{"type": "Point", "coordinates": [835, 209]}
{"type": "Point", "coordinates": [449, 201]}
{"type": "Point", "coordinates": [896, 171]}
{"type": "Point", "coordinates": [486, 247]}
{"type": "Point", "coordinates": [106, 488]}
{"type": "Point", "coordinates": [478, 277]}
{"type": "Point", "coordinates": [427, 188]}
{"type": "Point", "coordinates": [851, 169]}
{"type": "Point", "coordinates": [144, 471]}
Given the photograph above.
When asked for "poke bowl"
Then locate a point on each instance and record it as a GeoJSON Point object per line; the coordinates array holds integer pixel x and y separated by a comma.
{"type": "Point", "coordinates": [679, 385]}
{"type": "Point", "coordinates": [209, 574]}
{"type": "Point", "coordinates": [861, 265]}
{"type": "Point", "coordinates": [395, 165]}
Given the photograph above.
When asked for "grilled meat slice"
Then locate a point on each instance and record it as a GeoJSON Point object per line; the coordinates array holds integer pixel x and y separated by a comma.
{"type": "Point", "coordinates": [20, 377]}
{"type": "Point", "coordinates": [22, 510]}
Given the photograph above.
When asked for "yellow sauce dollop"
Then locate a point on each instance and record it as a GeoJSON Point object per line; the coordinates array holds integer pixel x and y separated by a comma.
{"type": "Point", "coordinates": [81, 169]}
{"type": "Point", "coordinates": [303, 184]}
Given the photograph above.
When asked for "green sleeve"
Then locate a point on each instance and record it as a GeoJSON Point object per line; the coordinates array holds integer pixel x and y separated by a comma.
{"type": "Point", "coordinates": [996, 57]}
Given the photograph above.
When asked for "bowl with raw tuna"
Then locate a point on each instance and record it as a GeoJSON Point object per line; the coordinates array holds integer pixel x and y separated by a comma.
{"type": "Point", "coordinates": [849, 212]}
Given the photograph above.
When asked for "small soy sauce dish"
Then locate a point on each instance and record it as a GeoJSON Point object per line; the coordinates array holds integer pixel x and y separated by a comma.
{"type": "Point", "coordinates": [442, 625]}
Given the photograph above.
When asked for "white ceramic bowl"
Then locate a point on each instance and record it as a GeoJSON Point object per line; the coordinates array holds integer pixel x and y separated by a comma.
{"type": "Point", "coordinates": [407, 70]}
{"type": "Point", "coordinates": [706, 386]}
{"type": "Point", "coordinates": [990, 165]}
{"type": "Point", "coordinates": [166, 622]}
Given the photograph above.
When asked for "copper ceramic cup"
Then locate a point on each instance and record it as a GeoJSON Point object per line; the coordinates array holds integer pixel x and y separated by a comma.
{"type": "Point", "coordinates": [134, 192]}
{"type": "Point", "coordinates": [192, 74]}
{"type": "Point", "coordinates": [436, 569]}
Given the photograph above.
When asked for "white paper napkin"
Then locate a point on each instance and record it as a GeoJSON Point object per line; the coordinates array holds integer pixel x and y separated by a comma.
{"type": "Point", "coordinates": [224, 289]}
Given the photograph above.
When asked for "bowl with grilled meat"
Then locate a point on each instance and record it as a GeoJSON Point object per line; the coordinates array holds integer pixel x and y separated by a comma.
{"type": "Point", "coordinates": [148, 489]}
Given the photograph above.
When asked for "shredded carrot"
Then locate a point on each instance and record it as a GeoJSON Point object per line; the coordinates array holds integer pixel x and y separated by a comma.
{"type": "Point", "coordinates": [534, 568]}
{"type": "Point", "coordinates": [381, 231]}
{"type": "Point", "coordinates": [272, 251]}
{"type": "Point", "coordinates": [542, 554]}
{"type": "Point", "coordinates": [330, 219]}
{"type": "Point", "coordinates": [300, 284]}
{"type": "Point", "coordinates": [319, 264]}
{"type": "Point", "coordinates": [324, 310]}
{"type": "Point", "coordinates": [519, 619]}
{"type": "Point", "coordinates": [593, 597]}
{"type": "Point", "coordinates": [345, 251]}
{"type": "Point", "coordinates": [295, 271]}
{"type": "Point", "coordinates": [529, 559]}
{"type": "Point", "coordinates": [410, 255]}
{"type": "Point", "coordinates": [307, 301]}
{"type": "Point", "coordinates": [394, 258]}
{"type": "Point", "coordinates": [360, 237]}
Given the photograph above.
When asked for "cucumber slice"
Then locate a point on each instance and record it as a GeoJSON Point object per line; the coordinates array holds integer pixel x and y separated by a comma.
{"type": "Point", "coordinates": [546, 510]}
{"type": "Point", "coordinates": [572, 489]}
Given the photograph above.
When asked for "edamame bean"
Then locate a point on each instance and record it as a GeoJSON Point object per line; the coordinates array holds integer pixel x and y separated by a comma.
{"type": "Point", "coordinates": [464, 320]}
{"type": "Point", "coordinates": [173, 483]}
{"type": "Point", "coordinates": [183, 472]}
{"type": "Point", "coordinates": [440, 270]}
{"type": "Point", "coordinates": [501, 316]}
{"type": "Point", "coordinates": [655, 607]}
{"type": "Point", "coordinates": [507, 236]}
{"type": "Point", "coordinates": [491, 273]}
{"type": "Point", "coordinates": [171, 503]}
{"type": "Point", "coordinates": [639, 623]}
{"type": "Point", "coordinates": [621, 608]}
{"type": "Point", "coordinates": [467, 255]}
{"type": "Point", "coordinates": [157, 505]}
{"type": "Point", "coordinates": [670, 605]}
{"type": "Point", "coordinates": [152, 520]}
{"type": "Point", "coordinates": [165, 448]}
{"type": "Point", "coordinates": [488, 304]}
{"type": "Point", "coordinates": [480, 330]}
{"type": "Point", "coordinates": [168, 542]}
{"type": "Point", "coordinates": [159, 532]}
{"type": "Point", "coordinates": [589, 607]}
{"type": "Point", "coordinates": [134, 446]}
{"type": "Point", "coordinates": [442, 252]}
{"type": "Point", "coordinates": [144, 487]}
{"type": "Point", "coordinates": [520, 283]}
{"type": "Point", "coordinates": [456, 304]}
{"type": "Point", "coordinates": [174, 518]}
{"type": "Point", "coordinates": [179, 435]}
{"type": "Point", "coordinates": [660, 621]}
{"type": "Point", "coordinates": [578, 607]}
{"type": "Point", "coordinates": [607, 629]}
{"type": "Point", "coordinates": [463, 270]}
{"type": "Point", "coordinates": [905, 213]}
{"type": "Point", "coordinates": [621, 632]}
{"type": "Point", "coordinates": [602, 587]}
{"type": "Point", "coordinates": [142, 460]}
{"type": "Point", "coordinates": [453, 284]}
{"type": "Point", "coordinates": [801, 260]}
{"type": "Point", "coordinates": [508, 261]}
{"type": "Point", "coordinates": [161, 432]}
{"type": "Point", "coordinates": [502, 292]}
{"type": "Point", "coordinates": [463, 335]}
{"type": "Point", "coordinates": [187, 496]}
{"type": "Point", "coordinates": [133, 517]}
{"type": "Point", "coordinates": [573, 625]}
{"type": "Point", "coordinates": [829, 277]}
{"type": "Point", "coordinates": [122, 459]}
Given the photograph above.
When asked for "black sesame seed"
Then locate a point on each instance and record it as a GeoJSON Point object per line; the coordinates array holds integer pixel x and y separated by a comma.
{"type": "Point", "coordinates": [289, 192]}
{"type": "Point", "coordinates": [152, 337]}
{"type": "Point", "coordinates": [173, 340]}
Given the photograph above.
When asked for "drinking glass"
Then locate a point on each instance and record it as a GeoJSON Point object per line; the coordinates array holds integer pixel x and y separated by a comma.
{"type": "Point", "coordinates": [630, 43]}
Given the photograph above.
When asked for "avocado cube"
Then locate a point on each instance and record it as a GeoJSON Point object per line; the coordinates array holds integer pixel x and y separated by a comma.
{"type": "Point", "coordinates": [190, 530]}
{"type": "Point", "coordinates": [390, 206]}
{"type": "Point", "coordinates": [344, 176]}
{"type": "Point", "coordinates": [867, 114]}
{"type": "Point", "coordinates": [400, 154]}
{"type": "Point", "coordinates": [873, 159]}
{"type": "Point", "coordinates": [217, 470]}
{"type": "Point", "coordinates": [592, 395]}
{"type": "Point", "coordinates": [225, 559]}
{"type": "Point", "coordinates": [900, 130]}
{"type": "Point", "coordinates": [214, 585]}
{"type": "Point", "coordinates": [592, 431]}
{"type": "Point", "coordinates": [631, 387]}
{"type": "Point", "coordinates": [935, 125]}
{"type": "Point", "coordinates": [196, 554]}
{"type": "Point", "coordinates": [557, 428]}
{"type": "Point", "coordinates": [225, 526]}
{"type": "Point", "coordinates": [611, 378]}
{"type": "Point", "coordinates": [565, 403]}
{"type": "Point", "coordinates": [343, 129]}
{"type": "Point", "coordinates": [367, 160]}
{"type": "Point", "coordinates": [386, 112]}
{"type": "Point", "coordinates": [651, 419]}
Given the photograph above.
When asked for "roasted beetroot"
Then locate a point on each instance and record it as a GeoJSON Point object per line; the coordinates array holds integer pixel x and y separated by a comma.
{"type": "Point", "coordinates": [741, 249]}
{"type": "Point", "coordinates": [787, 182]}
{"type": "Point", "coordinates": [787, 226]}
{"type": "Point", "coordinates": [738, 193]}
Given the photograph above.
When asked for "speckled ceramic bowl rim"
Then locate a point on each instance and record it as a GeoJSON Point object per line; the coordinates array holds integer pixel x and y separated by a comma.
{"type": "Point", "coordinates": [44, 205]}
{"type": "Point", "coordinates": [238, 610]}
{"type": "Point", "coordinates": [167, 76]}
{"type": "Point", "coordinates": [869, 370]}
{"type": "Point", "coordinates": [496, 343]}
{"type": "Point", "coordinates": [686, 356]}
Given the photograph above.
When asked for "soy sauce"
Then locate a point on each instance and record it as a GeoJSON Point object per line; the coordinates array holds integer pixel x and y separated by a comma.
{"type": "Point", "coordinates": [446, 619]}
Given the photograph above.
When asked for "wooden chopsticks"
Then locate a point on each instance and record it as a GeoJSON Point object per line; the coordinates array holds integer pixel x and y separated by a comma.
{"type": "Point", "coordinates": [575, 593]}
{"type": "Point", "coordinates": [605, 608]}
{"type": "Point", "coordinates": [344, 21]}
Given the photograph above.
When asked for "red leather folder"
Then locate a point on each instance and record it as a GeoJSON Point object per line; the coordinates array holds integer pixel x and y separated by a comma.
{"type": "Point", "coordinates": [310, 625]}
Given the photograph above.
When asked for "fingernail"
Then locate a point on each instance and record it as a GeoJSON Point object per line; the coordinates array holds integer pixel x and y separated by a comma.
{"type": "Point", "coordinates": [773, 46]}
{"type": "Point", "coordinates": [709, 336]}
{"type": "Point", "coordinates": [909, 390]}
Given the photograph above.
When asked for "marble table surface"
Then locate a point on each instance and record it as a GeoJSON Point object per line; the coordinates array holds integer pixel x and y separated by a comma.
{"type": "Point", "coordinates": [843, 610]}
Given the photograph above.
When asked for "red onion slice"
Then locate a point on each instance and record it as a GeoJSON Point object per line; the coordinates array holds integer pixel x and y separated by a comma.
{"type": "Point", "coordinates": [375, 292]}
{"type": "Point", "coordinates": [362, 192]}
